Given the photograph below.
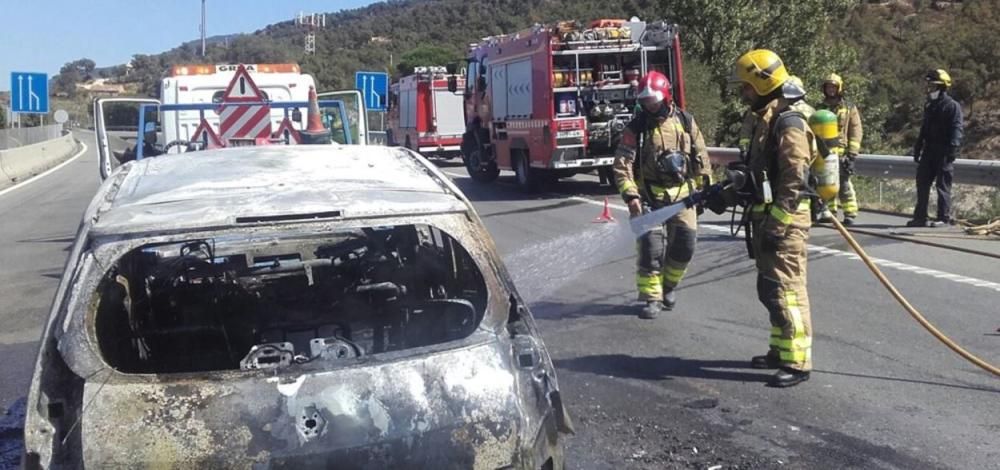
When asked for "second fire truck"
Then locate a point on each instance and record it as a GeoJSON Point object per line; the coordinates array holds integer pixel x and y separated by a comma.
{"type": "Point", "coordinates": [424, 115]}
{"type": "Point", "coordinates": [552, 101]}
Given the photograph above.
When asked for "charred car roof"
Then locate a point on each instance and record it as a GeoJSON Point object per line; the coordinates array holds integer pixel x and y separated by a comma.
{"type": "Point", "coordinates": [230, 187]}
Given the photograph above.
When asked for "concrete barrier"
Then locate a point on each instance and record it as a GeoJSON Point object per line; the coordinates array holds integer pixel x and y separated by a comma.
{"type": "Point", "coordinates": [19, 164]}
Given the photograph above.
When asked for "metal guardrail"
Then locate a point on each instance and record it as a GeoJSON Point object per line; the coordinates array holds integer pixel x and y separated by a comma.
{"type": "Point", "coordinates": [19, 137]}
{"type": "Point", "coordinates": [975, 172]}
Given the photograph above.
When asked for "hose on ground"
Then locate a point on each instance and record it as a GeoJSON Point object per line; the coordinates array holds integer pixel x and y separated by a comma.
{"type": "Point", "coordinates": [908, 307]}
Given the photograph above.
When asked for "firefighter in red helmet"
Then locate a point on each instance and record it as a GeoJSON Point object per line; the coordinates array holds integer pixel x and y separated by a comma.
{"type": "Point", "coordinates": [661, 159]}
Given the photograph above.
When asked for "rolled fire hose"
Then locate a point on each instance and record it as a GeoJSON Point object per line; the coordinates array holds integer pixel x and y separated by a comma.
{"type": "Point", "coordinates": [908, 307]}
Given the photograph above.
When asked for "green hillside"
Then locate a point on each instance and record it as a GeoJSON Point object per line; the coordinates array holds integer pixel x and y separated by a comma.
{"type": "Point", "coordinates": [882, 49]}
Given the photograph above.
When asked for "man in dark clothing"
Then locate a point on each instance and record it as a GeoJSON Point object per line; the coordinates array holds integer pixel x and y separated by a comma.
{"type": "Point", "coordinates": [937, 148]}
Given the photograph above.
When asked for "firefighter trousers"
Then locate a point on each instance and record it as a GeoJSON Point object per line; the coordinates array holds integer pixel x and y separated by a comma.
{"type": "Point", "coordinates": [939, 172]}
{"type": "Point", "coordinates": [781, 287]}
{"type": "Point", "coordinates": [846, 197]}
{"type": "Point", "coordinates": [664, 254]}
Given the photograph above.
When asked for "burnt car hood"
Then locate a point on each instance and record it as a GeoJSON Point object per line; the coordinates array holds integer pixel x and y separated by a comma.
{"type": "Point", "coordinates": [449, 409]}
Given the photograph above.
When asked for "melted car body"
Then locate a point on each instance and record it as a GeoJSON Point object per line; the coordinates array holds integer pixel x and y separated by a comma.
{"type": "Point", "coordinates": [289, 307]}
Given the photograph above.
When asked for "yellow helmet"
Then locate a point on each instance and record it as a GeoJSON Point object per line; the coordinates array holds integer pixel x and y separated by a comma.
{"type": "Point", "coordinates": [939, 77]}
{"type": "Point", "coordinates": [761, 69]}
{"type": "Point", "coordinates": [835, 80]}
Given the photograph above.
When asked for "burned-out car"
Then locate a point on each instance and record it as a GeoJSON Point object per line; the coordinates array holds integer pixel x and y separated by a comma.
{"type": "Point", "coordinates": [289, 307]}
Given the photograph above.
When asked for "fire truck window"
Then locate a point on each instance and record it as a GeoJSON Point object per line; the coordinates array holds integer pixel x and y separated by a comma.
{"type": "Point", "coordinates": [470, 80]}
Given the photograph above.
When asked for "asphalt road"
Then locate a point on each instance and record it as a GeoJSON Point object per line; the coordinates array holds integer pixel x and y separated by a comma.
{"type": "Point", "coordinates": [677, 391]}
{"type": "Point", "coordinates": [674, 392]}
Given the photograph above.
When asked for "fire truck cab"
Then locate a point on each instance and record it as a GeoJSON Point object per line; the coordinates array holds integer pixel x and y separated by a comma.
{"type": "Point", "coordinates": [424, 115]}
{"type": "Point", "coordinates": [552, 101]}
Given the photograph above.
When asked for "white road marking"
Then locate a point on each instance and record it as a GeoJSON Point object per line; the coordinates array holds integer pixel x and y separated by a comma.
{"type": "Point", "coordinates": [828, 251]}
{"type": "Point", "coordinates": [41, 175]}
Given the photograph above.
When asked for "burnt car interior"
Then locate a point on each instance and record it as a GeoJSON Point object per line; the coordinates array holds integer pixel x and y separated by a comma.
{"type": "Point", "coordinates": [214, 304]}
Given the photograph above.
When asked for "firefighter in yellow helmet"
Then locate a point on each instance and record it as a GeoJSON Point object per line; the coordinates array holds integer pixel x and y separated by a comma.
{"type": "Point", "coordinates": [793, 88]}
{"type": "Point", "coordinates": [847, 147]}
{"type": "Point", "coordinates": [661, 159]}
{"type": "Point", "coordinates": [778, 159]}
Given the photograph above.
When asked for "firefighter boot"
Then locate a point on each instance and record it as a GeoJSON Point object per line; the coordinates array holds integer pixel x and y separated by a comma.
{"type": "Point", "coordinates": [848, 220]}
{"type": "Point", "coordinates": [651, 310]}
{"type": "Point", "coordinates": [669, 299]}
{"type": "Point", "coordinates": [767, 361]}
{"type": "Point", "coordinates": [788, 377]}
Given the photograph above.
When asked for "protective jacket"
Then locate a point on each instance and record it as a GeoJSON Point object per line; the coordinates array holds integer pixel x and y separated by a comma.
{"type": "Point", "coordinates": [942, 130]}
{"type": "Point", "coordinates": [676, 130]}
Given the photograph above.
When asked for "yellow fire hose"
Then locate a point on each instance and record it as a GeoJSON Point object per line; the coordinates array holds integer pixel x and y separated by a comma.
{"type": "Point", "coordinates": [908, 307]}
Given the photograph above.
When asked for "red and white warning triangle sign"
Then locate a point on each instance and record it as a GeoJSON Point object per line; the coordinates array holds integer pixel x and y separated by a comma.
{"type": "Point", "coordinates": [287, 133]}
{"type": "Point", "coordinates": [206, 135]}
{"type": "Point", "coordinates": [242, 88]}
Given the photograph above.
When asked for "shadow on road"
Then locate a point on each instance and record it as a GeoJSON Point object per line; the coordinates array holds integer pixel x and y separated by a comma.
{"type": "Point", "coordinates": [660, 368]}
{"type": "Point", "coordinates": [11, 434]}
{"type": "Point", "coordinates": [547, 207]}
{"type": "Point", "coordinates": [910, 381]}
{"type": "Point", "coordinates": [449, 163]}
{"type": "Point", "coordinates": [554, 310]}
{"type": "Point", "coordinates": [69, 239]}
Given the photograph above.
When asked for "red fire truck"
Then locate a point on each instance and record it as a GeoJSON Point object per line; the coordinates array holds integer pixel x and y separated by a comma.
{"type": "Point", "coordinates": [424, 116]}
{"type": "Point", "coordinates": [553, 100]}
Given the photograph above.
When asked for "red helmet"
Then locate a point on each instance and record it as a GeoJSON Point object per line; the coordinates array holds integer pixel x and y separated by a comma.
{"type": "Point", "coordinates": [654, 87]}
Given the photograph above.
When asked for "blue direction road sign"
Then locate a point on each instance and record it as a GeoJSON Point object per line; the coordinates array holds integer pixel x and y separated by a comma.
{"type": "Point", "coordinates": [29, 92]}
{"type": "Point", "coordinates": [374, 87]}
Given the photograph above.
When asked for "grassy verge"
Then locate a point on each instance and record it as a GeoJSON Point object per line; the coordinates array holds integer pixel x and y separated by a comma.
{"type": "Point", "coordinates": [971, 202]}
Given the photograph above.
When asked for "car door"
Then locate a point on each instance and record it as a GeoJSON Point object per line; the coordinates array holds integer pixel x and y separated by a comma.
{"type": "Point", "coordinates": [116, 128]}
{"type": "Point", "coordinates": [356, 115]}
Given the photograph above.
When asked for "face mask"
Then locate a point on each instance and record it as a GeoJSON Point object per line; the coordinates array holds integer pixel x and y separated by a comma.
{"type": "Point", "coordinates": [934, 94]}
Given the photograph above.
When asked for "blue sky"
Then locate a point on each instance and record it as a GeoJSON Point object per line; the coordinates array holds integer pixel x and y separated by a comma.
{"type": "Point", "coordinates": [111, 31]}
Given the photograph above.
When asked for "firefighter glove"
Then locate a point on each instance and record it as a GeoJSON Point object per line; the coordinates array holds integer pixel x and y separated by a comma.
{"type": "Point", "coordinates": [634, 207]}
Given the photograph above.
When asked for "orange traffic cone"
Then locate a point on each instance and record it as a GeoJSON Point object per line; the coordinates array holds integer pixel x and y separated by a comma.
{"type": "Point", "coordinates": [605, 216]}
{"type": "Point", "coordinates": [315, 132]}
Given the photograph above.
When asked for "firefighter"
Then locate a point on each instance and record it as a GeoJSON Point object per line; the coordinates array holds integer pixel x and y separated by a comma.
{"type": "Point", "coordinates": [794, 87]}
{"type": "Point", "coordinates": [937, 148]}
{"type": "Point", "coordinates": [670, 162]}
{"type": "Point", "coordinates": [848, 147]}
{"type": "Point", "coordinates": [778, 159]}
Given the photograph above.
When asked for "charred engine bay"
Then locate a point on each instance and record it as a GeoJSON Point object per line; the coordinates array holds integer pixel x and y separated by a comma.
{"type": "Point", "coordinates": [208, 304]}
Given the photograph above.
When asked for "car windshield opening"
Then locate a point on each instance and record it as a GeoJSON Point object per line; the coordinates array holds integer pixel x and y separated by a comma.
{"type": "Point", "coordinates": [208, 304]}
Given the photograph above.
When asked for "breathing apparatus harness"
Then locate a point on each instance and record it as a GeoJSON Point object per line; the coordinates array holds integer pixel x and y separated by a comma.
{"type": "Point", "coordinates": [676, 166]}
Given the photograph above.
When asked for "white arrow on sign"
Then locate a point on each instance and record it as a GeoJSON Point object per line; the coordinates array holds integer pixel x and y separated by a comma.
{"type": "Point", "coordinates": [20, 92]}
{"type": "Point", "coordinates": [33, 97]}
{"type": "Point", "coordinates": [376, 98]}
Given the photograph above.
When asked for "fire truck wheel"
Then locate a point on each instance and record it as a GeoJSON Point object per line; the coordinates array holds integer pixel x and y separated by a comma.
{"type": "Point", "coordinates": [487, 174]}
{"type": "Point", "coordinates": [528, 179]}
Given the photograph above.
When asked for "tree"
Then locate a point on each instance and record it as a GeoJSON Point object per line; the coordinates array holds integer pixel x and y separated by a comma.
{"type": "Point", "coordinates": [72, 73]}
{"type": "Point", "coordinates": [718, 32]}
{"type": "Point", "coordinates": [425, 56]}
